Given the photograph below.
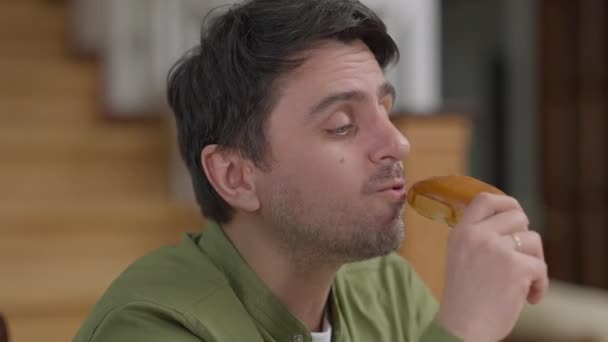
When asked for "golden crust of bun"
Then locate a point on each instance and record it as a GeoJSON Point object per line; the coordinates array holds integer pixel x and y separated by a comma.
{"type": "Point", "coordinates": [444, 198]}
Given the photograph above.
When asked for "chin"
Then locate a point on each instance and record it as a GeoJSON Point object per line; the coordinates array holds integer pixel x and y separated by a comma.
{"type": "Point", "coordinates": [391, 216]}
{"type": "Point", "coordinates": [383, 240]}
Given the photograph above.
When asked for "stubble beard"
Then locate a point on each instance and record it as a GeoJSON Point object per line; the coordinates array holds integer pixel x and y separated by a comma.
{"type": "Point", "coordinates": [330, 233]}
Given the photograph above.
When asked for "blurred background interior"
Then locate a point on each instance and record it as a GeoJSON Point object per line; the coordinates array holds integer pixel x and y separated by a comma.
{"type": "Point", "coordinates": [513, 92]}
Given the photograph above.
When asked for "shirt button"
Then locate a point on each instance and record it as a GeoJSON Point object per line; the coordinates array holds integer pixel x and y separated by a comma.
{"type": "Point", "coordinates": [298, 338]}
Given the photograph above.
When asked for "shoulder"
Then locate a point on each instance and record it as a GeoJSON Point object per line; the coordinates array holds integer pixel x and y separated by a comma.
{"type": "Point", "coordinates": [173, 276]}
{"type": "Point", "coordinates": [138, 321]}
{"type": "Point", "coordinates": [164, 285]}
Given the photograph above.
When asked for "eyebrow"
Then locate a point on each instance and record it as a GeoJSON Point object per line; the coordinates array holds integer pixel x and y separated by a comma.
{"type": "Point", "coordinates": [385, 89]}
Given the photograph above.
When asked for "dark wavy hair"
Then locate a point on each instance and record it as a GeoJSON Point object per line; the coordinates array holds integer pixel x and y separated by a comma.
{"type": "Point", "coordinates": [222, 91]}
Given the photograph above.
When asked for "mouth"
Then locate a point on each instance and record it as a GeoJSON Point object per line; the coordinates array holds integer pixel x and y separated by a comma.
{"type": "Point", "coordinates": [395, 189]}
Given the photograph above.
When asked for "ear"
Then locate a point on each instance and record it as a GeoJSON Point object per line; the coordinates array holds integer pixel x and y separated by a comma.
{"type": "Point", "coordinates": [232, 177]}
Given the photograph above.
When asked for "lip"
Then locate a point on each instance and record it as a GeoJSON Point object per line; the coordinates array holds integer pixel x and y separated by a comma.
{"type": "Point", "coordinates": [395, 184]}
{"type": "Point", "coordinates": [394, 188]}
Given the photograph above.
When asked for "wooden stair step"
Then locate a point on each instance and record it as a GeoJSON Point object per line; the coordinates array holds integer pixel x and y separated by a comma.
{"type": "Point", "coordinates": [34, 49]}
{"type": "Point", "coordinates": [43, 34]}
{"type": "Point", "coordinates": [81, 197]}
{"type": "Point", "coordinates": [50, 326]}
{"type": "Point", "coordinates": [44, 179]}
{"type": "Point", "coordinates": [64, 141]}
{"type": "Point", "coordinates": [43, 108]}
{"type": "Point", "coordinates": [36, 217]}
{"type": "Point", "coordinates": [23, 78]}
{"type": "Point", "coordinates": [69, 271]}
{"type": "Point", "coordinates": [22, 19]}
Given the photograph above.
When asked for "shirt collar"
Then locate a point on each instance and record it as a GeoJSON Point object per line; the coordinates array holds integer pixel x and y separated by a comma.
{"type": "Point", "coordinates": [263, 306]}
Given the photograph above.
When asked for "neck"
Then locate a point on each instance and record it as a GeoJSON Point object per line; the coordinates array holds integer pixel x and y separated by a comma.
{"type": "Point", "coordinates": [303, 288]}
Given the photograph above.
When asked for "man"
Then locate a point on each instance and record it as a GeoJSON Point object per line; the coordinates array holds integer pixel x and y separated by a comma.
{"type": "Point", "coordinates": [283, 119]}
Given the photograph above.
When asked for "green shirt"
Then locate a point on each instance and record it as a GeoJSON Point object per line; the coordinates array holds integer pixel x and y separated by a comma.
{"type": "Point", "coordinates": [202, 289]}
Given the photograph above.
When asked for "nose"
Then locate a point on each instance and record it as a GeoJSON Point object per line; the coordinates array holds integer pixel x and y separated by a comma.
{"type": "Point", "coordinates": [390, 145]}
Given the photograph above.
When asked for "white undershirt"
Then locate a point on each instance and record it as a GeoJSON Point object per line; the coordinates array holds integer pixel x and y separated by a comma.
{"type": "Point", "coordinates": [325, 334]}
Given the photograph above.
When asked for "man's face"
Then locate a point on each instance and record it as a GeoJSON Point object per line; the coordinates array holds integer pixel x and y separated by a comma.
{"type": "Point", "coordinates": [335, 190]}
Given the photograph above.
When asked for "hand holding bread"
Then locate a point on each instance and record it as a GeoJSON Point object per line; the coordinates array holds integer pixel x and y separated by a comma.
{"type": "Point", "coordinates": [494, 262]}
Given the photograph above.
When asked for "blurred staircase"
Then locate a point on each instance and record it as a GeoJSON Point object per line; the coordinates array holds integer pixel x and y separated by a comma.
{"type": "Point", "coordinates": [81, 196]}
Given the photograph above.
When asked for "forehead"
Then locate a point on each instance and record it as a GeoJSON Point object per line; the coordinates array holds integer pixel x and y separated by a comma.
{"type": "Point", "coordinates": [333, 66]}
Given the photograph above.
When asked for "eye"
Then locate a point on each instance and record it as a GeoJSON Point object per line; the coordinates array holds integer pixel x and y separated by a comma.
{"type": "Point", "coordinates": [342, 130]}
{"type": "Point", "coordinates": [387, 102]}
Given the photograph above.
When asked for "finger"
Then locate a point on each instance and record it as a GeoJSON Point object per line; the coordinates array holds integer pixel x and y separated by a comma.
{"type": "Point", "coordinates": [539, 279]}
{"type": "Point", "coordinates": [507, 222]}
{"type": "Point", "coordinates": [530, 243]}
{"type": "Point", "coordinates": [485, 205]}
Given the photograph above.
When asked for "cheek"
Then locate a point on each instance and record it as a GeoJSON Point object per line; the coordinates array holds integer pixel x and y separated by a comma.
{"type": "Point", "coordinates": [318, 166]}
{"type": "Point", "coordinates": [324, 172]}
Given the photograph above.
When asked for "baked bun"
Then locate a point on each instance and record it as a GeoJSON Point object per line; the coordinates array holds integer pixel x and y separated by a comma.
{"type": "Point", "coordinates": [445, 198]}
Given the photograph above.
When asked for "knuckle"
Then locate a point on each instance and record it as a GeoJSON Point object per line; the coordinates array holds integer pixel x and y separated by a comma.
{"type": "Point", "coordinates": [512, 203]}
{"type": "Point", "coordinates": [484, 198]}
{"type": "Point", "coordinates": [522, 219]}
{"type": "Point", "coordinates": [524, 286]}
{"type": "Point", "coordinates": [515, 202]}
{"type": "Point", "coordinates": [542, 267]}
{"type": "Point", "coordinates": [536, 238]}
{"type": "Point", "coordinates": [534, 269]}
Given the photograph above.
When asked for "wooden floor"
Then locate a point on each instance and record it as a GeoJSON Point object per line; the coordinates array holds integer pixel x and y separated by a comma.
{"type": "Point", "coordinates": [81, 196]}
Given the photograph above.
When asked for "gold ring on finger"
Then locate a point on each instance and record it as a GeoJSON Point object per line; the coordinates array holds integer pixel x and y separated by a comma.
{"type": "Point", "coordinates": [518, 243]}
